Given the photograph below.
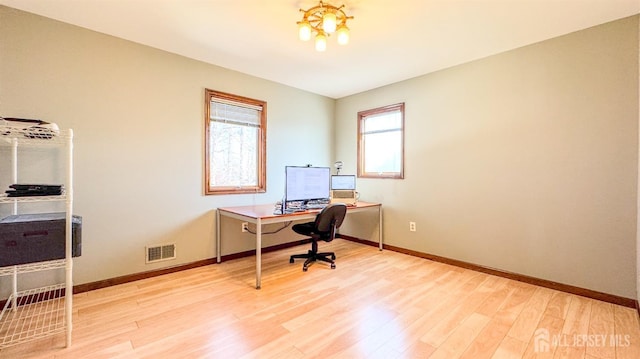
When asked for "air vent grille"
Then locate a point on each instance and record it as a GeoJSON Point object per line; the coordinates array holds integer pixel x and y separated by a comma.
{"type": "Point", "coordinates": [160, 253]}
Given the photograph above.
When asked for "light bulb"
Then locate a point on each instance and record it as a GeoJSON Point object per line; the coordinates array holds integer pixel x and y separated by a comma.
{"type": "Point", "coordinates": [329, 22]}
{"type": "Point", "coordinates": [321, 42]}
{"type": "Point", "coordinates": [304, 30]}
{"type": "Point", "coordinates": [343, 34]}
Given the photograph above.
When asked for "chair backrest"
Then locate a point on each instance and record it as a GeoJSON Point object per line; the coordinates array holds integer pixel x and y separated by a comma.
{"type": "Point", "coordinates": [330, 218]}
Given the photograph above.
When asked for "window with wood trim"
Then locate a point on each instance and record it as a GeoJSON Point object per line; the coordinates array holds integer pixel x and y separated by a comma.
{"type": "Point", "coordinates": [235, 145]}
{"type": "Point", "coordinates": [381, 142]}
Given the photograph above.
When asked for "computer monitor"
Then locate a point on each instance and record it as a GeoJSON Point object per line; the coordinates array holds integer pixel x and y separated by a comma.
{"type": "Point", "coordinates": [307, 183]}
{"type": "Point", "coordinates": [343, 182]}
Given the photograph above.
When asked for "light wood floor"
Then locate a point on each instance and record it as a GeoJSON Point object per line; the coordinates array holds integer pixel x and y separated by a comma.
{"type": "Point", "coordinates": [373, 305]}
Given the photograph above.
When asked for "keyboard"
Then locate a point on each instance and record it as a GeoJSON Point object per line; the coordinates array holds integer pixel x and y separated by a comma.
{"type": "Point", "coordinates": [316, 205]}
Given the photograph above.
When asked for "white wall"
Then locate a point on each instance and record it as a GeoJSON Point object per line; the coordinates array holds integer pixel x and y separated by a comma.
{"type": "Point", "coordinates": [526, 161]}
{"type": "Point", "coordinates": [138, 117]}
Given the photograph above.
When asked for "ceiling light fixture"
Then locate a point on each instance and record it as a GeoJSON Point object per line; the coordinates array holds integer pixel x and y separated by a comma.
{"type": "Point", "coordinates": [324, 20]}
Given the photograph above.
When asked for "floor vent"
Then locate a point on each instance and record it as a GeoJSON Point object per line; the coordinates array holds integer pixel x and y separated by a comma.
{"type": "Point", "coordinates": [161, 253]}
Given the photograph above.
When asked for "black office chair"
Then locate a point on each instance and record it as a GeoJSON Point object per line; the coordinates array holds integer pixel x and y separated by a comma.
{"type": "Point", "coordinates": [323, 228]}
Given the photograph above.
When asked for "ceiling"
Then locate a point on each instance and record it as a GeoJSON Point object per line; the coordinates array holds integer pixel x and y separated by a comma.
{"type": "Point", "coordinates": [391, 40]}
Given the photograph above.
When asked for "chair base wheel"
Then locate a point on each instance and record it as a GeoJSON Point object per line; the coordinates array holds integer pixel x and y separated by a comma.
{"type": "Point", "coordinates": [312, 257]}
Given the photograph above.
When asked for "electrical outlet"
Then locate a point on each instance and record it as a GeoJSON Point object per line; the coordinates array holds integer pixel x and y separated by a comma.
{"type": "Point", "coordinates": [245, 227]}
{"type": "Point", "coordinates": [412, 226]}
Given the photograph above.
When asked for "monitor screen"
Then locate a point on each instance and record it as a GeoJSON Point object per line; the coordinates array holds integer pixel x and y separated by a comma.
{"type": "Point", "coordinates": [307, 183]}
{"type": "Point", "coordinates": [342, 182]}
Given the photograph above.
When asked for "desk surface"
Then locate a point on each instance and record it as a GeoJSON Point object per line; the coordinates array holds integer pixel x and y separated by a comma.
{"type": "Point", "coordinates": [263, 214]}
{"type": "Point", "coordinates": [265, 211]}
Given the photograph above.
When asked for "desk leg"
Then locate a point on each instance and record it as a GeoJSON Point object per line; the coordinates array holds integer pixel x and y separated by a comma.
{"type": "Point", "coordinates": [258, 253]}
{"type": "Point", "coordinates": [218, 240]}
{"type": "Point", "coordinates": [380, 226]}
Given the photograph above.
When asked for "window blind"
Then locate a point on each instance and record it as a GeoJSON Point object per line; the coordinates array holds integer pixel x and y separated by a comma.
{"type": "Point", "coordinates": [235, 113]}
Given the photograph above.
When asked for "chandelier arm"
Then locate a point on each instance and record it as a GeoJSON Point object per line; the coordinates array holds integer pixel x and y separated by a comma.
{"type": "Point", "coordinates": [322, 8]}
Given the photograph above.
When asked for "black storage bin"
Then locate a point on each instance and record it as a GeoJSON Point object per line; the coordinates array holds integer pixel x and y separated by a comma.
{"type": "Point", "coordinates": [28, 238]}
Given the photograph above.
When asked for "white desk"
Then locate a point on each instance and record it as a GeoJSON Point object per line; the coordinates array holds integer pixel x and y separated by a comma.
{"type": "Point", "coordinates": [263, 214]}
